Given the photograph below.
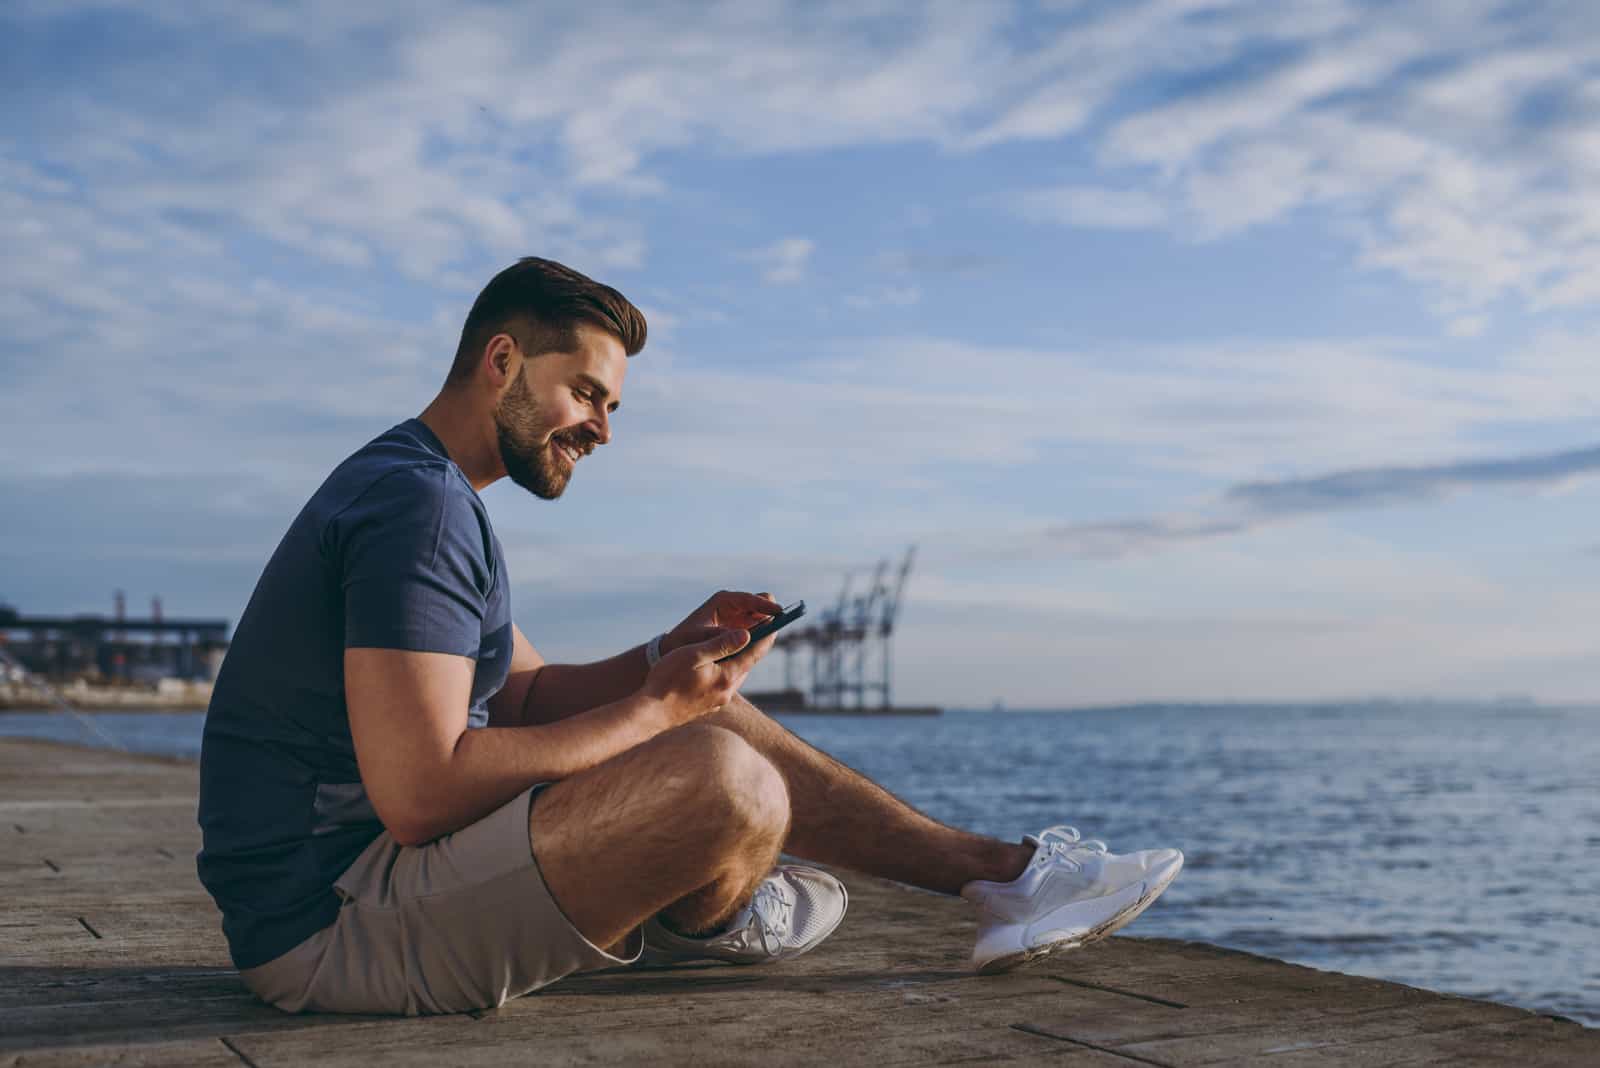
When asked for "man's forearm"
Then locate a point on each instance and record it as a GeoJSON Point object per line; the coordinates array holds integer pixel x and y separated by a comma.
{"type": "Point", "coordinates": [490, 765]}
{"type": "Point", "coordinates": [562, 690]}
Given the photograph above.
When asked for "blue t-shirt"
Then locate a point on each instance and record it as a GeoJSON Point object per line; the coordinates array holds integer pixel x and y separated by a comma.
{"type": "Point", "coordinates": [394, 551]}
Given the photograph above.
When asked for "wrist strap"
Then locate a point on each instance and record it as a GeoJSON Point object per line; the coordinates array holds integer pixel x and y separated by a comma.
{"type": "Point", "coordinates": [652, 650]}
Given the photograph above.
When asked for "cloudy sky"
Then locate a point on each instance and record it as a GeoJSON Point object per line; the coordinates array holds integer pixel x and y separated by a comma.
{"type": "Point", "coordinates": [1204, 349]}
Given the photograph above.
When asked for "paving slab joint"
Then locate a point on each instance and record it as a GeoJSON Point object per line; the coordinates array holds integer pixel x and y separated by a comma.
{"type": "Point", "coordinates": [1030, 1029]}
{"type": "Point", "coordinates": [237, 1052]}
{"type": "Point", "coordinates": [1151, 998]}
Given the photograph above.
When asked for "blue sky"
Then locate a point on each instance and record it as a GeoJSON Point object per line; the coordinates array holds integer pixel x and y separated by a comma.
{"type": "Point", "coordinates": [1206, 350]}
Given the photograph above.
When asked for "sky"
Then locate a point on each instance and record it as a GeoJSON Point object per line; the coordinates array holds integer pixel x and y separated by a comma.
{"type": "Point", "coordinates": [1204, 350]}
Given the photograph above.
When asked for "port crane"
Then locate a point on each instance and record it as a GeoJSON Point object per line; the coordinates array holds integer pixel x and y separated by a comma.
{"type": "Point", "coordinates": [849, 644]}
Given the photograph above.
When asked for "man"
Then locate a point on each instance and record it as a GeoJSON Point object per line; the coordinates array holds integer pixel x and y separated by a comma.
{"type": "Point", "coordinates": [406, 810]}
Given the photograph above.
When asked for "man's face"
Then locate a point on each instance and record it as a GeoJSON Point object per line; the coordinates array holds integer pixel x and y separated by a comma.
{"type": "Point", "coordinates": [558, 409]}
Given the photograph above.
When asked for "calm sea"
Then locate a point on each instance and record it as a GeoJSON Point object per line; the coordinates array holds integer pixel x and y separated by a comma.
{"type": "Point", "coordinates": [1454, 848]}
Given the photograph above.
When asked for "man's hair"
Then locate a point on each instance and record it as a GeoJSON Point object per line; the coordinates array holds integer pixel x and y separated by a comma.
{"type": "Point", "coordinates": [540, 303]}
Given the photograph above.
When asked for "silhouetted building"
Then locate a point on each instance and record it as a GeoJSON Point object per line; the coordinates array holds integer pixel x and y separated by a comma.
{"type": "Point", "coordinates": [67, 647]}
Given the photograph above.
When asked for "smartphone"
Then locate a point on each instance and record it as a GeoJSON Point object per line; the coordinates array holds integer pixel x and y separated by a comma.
{"type": "Point", "coordinates": [778, 622]}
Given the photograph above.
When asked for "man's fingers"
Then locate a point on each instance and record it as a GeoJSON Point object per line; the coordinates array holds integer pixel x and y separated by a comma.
{"type": "Point", "coordinates": [763, 603]}
{"type": "Point", "coordinates": [724, 645]}
{"type": "Point", "coordinates": [746, 609]}
{"type": "Point", "coordinates": [751, 654]}
{"type": "Point", "coordinates": [760, 602]}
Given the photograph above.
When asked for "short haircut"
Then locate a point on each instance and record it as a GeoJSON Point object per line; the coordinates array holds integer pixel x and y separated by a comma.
{"type": "Point", "coordinates": [540, 303]}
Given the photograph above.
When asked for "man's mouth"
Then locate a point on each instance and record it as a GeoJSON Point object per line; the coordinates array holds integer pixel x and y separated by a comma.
{"type": "Point", "coordinates": [571, 452]}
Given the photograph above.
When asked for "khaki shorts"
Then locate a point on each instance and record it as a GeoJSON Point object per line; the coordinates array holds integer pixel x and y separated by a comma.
{"type": "Point", "coordinates": [461, 923]}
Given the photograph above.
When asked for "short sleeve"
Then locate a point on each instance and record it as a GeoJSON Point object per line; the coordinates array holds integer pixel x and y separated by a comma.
{"type": "Point", "coordinates": [413, 565]}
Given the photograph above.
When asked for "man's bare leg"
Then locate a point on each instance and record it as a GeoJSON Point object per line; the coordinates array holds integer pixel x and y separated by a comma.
{"type": "Point", "coordinates": [840, 817]}
{"type": "Point", "coordinates": [686, 824]}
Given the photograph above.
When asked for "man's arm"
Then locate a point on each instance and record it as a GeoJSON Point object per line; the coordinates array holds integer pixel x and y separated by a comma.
{"type": "Point", "coordinates": [536, 692]}
{"type": "Point", "coordinates": [427, 774]}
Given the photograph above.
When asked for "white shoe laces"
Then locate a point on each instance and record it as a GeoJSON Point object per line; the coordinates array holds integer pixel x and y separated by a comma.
{"type": "Point", "coordinates": [771, 912]}
{"type": "Point", "coordinates": [1060, 843]}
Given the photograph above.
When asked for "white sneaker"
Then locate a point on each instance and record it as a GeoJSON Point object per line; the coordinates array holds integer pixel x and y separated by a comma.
{"type": "Point", "coordinates": [791, 912]}
{"type": "Point", "coordinates": [1071, 893]}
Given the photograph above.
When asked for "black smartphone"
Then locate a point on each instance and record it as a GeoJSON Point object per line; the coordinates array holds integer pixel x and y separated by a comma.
{"type": "Point", "coordinates": [778, 622]}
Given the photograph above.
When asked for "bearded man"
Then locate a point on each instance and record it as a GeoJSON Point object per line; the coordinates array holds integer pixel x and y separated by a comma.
{"type": "Point", "coordinates": [406, 810]}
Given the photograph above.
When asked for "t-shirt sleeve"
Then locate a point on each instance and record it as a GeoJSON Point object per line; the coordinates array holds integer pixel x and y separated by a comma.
{"type": "Point", "coordinates": [414, 569]}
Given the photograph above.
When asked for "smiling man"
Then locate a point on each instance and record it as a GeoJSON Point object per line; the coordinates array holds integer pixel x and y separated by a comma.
{"type": "Point", "coordinates": [406, 810]}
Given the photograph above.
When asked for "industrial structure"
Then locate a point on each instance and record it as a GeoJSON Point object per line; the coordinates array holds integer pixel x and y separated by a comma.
{"type": "Point", "coordinates": [849, 651]}
{"type": "Point", "coordinates": [837, 660]}
{"type": "Point", "coordinates": [115, 649]}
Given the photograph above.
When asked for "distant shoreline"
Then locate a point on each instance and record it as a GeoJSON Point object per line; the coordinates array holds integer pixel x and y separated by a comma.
{"type": "Point", "coordinates": [182, 696]}
{"type": "Point", "coordinates": [169, 695]}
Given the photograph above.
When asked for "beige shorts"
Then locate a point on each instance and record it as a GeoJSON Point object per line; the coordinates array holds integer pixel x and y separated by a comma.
{"type": "Point", "coordinates": [461, 923]}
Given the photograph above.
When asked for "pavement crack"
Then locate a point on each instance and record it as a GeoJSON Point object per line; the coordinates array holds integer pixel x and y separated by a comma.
{"type": "Point", "coordinates": [1152, 999]}
{"type": "Point", "coordinates": [1030, 1029]}
{"type": "Point", "coordinates": [237, 1052]}
{"type": "Point", "coordinates": [89, 928]}
{"type": "Point", "coordinates": [52, 865]}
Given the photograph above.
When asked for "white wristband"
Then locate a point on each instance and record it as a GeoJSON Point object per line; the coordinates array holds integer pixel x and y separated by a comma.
{"type": "Point", "coordinates": [652, 650]}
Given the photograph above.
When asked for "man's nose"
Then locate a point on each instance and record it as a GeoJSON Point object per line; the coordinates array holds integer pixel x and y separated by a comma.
{"type": "Point", "coordinates": [600, 428]}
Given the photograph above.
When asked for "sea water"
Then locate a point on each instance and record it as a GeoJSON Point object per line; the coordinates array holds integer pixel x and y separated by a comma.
{"type": "Point", "coordinates": [1450, 847]}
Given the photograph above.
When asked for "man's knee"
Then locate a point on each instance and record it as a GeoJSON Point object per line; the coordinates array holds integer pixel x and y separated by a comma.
{"type": "Point", "coordinates": [735, 715]}
{"type": "Point", "coordinates": [740, 791]}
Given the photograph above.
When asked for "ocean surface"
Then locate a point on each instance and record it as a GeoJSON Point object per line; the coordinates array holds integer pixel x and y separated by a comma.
{"type": "Point", "coordinates": [1450, 847]}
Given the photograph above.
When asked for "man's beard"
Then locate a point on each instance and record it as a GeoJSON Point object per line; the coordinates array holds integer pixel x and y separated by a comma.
{"type": "Point", "coordinates": [528, 457]}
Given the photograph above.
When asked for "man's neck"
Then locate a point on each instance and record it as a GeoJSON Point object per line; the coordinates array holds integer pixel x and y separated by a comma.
{"type": "Point", "coordinates": [467, 434]}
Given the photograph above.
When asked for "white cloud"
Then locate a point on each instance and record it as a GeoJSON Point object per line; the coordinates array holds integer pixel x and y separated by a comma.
{"type": "Point", "coordinates": [884, 297]}
{"type": "Point", "coordinates": [1246, 507]}
{"type": "Point", "coordinates": [1468, 325]}
{"type": "Point", "coordinates": [410, 142]}
{"type": "Point", "coordinates": [1414, 126]}
{"type": "Point", "coordinates": [1091, 208]}
{"type": "Point", "coordinates": [169, 325]}
{"type": "Point", "coordinates": [784, 261]}
{"type": "Point", "coordinates": [444, 139]}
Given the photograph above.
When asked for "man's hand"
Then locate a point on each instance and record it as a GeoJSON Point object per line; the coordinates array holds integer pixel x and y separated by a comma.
{"type": "Point", "coordinates": [689, 683]}
{"type": "Point", "coordinates": [723, 609]}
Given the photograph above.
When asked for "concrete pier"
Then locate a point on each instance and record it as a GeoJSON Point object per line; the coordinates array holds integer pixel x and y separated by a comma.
{"type": "Point", "coordinates": [110, 954]}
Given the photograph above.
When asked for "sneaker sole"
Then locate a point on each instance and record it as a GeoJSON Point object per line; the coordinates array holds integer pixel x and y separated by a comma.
{"type": "Point", "coordinates": [1152, 889]}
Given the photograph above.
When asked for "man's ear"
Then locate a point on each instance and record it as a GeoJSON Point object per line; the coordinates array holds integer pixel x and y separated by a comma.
{"type": "Point", "coordinates": [498, 354]}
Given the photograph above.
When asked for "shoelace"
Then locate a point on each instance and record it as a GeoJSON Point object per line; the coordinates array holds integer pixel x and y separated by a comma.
{"type": "Point", "coordinates": [771, 910]}
{"type": "Point", "coordinates": [1061, 841]}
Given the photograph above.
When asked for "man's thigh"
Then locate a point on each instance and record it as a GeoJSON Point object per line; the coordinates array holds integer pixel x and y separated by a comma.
{"type": "Point", "coordinates": [623, 840]}
{"type": "Point", "coordinates": [463, 922]}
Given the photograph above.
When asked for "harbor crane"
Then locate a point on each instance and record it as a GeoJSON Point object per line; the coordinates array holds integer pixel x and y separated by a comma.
{"type": "Point", "coordinates": [849, 644]}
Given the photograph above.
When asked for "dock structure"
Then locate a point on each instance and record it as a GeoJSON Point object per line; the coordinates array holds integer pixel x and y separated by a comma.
{"type": "Point", "coordinates": [850, 649]}
{"type": "Point", "coordinates": [118, 647]}
{"type": "Point", "coordinates": [110, 954]}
